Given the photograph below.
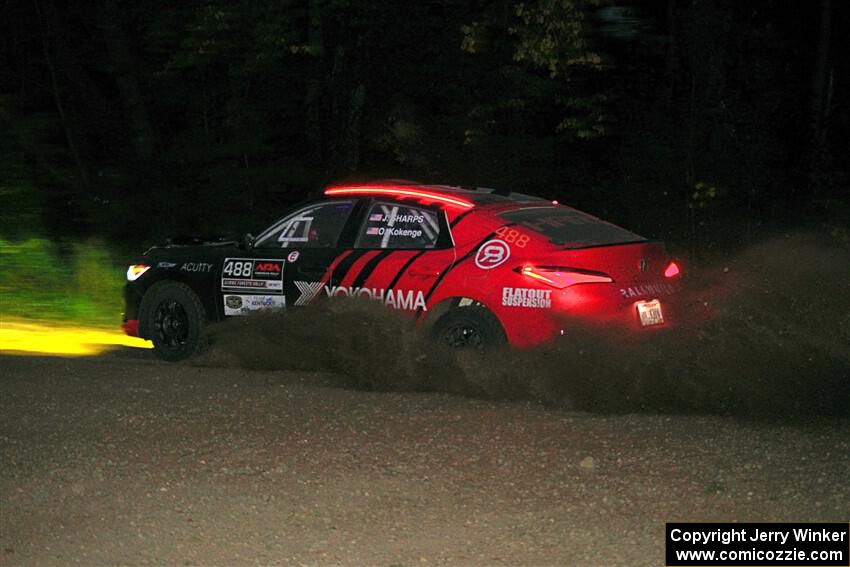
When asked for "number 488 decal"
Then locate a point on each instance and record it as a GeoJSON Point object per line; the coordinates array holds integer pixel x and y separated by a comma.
{"type": "Point", "coordinates": [240, 274]}
{"type": "Point", "coordinates": [237, 269]}
{"type": "Point", "coordinates": [513, 236]}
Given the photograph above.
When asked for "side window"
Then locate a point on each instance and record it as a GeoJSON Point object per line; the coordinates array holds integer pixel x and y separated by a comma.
{"type": "Point", "coordinates": [400, 227]}
{"type": "Point", "coordinates": [317, 226]}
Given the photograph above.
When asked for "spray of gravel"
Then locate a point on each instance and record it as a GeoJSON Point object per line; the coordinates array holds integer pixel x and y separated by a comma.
{"type": "Point", "coordinates": [766, 332]}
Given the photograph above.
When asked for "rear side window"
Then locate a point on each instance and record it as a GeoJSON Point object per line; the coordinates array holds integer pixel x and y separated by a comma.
{"type": "Point", "coordinates": [571, 228]}
{"type": "Point", "coordinates": [399, 227]}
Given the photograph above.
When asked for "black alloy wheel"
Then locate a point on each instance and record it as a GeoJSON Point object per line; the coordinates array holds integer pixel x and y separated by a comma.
{"type": "Point", "coordinates": [171, 326]}
{"type": "Point", "coordinates": [472, 328]}
{"type": "Point", "coordinates": [175, 320]}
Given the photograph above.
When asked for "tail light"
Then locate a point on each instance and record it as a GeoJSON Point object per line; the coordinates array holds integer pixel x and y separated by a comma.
{"type": "Point", "coordinates": [562, 278]}
{"type": "Point", "coordinates": [135, 271]}
{"type": "Point", "coordinates": [672, 270]}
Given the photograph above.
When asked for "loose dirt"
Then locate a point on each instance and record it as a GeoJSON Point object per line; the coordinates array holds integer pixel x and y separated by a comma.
{"type": "Point", "coordinates": [124, 460]}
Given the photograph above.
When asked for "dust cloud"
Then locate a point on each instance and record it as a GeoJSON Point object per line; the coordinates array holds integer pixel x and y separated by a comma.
{"type": "Point", "coordinates": [766, 332]}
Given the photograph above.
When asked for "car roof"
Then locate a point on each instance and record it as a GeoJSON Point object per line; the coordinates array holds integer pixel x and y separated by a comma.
{"type": "Point", "coordinates": [454, 196]}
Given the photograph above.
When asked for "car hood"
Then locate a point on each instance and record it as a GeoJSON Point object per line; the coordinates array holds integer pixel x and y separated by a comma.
{"type": "Point", "coordinates": [177, 251]}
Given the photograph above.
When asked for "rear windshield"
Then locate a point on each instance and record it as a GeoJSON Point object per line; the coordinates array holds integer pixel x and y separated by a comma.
{"type": "Point", "coordinates": [568, 227]}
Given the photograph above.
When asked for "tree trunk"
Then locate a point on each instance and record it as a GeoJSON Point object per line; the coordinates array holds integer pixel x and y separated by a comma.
{"type": "Point", "coordinates": [821, 91]}
{"type": "Point", "coordinates": [672, 56]}
{"type": "Point", "coordinates": [821, 79]}
{"type": "Point", "coordinates": [142, 134]}
{"type": "Point", "coordinates": [57, 99]}
{"type": "Point", "coordinates": [312, 122]}
{"type": "Point", "coordinates": [351, 145]}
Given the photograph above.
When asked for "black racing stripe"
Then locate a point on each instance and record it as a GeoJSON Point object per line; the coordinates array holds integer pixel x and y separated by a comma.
{"type": "Point", "coordinates": [333, 263]}
{"type": "Point", "coordinates": [404, 269]}
{"type": "Point", "coordinates": [459, 218]}
{"type": "Point", "coordinates": [369, 268]}
{"type": "Point", "coordinates": [342, 268]}
{"type": "Point", "coordinates": [465, 257]}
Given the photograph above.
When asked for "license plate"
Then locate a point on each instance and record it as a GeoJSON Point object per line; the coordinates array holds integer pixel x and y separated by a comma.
{"type": "Point", "coordinates": [650, 313]}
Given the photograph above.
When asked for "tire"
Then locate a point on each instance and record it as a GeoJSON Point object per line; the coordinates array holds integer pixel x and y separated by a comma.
{"type": "Point", "coordinates": [472, 327]}
{"type": "Point", "coordinates": [174, 319]}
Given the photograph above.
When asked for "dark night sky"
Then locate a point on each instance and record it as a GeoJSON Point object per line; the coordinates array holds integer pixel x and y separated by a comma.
{"type": "Point", "coordinates": [683, 119]}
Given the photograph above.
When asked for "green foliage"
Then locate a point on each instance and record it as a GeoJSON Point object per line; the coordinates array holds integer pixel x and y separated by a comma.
{"type": "Point", "coordinates": [26, 146]}
{"type": "Point", "coordinates": [38, 281]}
{"type": "Point", "coordinates": [705, 195]}
{"type": "Point", "coordinates": [552, 34]}
{"type": "Point", "coordinates": [544, 54]}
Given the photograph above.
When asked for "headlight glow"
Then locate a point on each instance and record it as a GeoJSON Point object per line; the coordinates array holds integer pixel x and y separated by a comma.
{"type": "Point", "coordinates": [135, 271]}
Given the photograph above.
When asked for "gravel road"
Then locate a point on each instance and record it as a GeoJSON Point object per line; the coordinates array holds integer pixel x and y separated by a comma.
{"type": "Point", "coordinates": [124, 460]}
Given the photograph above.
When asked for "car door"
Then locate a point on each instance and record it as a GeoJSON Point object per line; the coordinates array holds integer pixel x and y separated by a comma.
{"type": "Point", "coordinates": [290, 261]}
{"type": "Point", "coordinates": [398, 254]}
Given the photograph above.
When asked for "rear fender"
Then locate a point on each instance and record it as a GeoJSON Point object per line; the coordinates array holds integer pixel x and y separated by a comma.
{"type": "Point", "coordinates": [440, 309]}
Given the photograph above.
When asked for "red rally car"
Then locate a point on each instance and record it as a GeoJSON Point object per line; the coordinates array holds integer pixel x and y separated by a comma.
{"type": "Point", "coordinates": [478, 267]}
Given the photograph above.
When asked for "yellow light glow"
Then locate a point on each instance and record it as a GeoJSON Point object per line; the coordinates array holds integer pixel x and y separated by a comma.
{"type": "Point", "coordinates": [135, 271]}
{"type": "Point", "coordinates": [58, 339]}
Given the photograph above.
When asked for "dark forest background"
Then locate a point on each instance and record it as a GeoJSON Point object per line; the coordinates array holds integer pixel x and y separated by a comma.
{"type": "Point", "coordinates": [704, 122]}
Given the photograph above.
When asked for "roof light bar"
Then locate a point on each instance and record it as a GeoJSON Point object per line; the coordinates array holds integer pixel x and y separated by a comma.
{"type": "Point", "coordinates": [397, 190]}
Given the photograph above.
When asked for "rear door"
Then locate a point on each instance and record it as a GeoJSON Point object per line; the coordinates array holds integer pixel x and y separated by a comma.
{"type": "Point", "coordinates": [398, 253]}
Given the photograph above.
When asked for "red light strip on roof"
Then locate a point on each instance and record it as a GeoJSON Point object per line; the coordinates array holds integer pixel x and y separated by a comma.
{"type": "Point", "coordinates": [399, 191]}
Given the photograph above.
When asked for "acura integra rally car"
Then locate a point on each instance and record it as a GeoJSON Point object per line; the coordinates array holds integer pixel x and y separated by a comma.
{"type": "Point", "coordinates": [477, 267]}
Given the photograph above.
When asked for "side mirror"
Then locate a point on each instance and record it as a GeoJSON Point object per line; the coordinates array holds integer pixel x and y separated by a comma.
{"type": "Point", "coordinates": [247, 241]}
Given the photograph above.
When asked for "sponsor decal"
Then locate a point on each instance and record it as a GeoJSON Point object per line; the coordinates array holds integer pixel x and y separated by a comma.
{"type": "Point", "coordinates": [242, 304]}
{"type": "Point", "coordinates": [203, 267]}
{"type": "Point", "coordinates": [394, 298]}
{"type": "Point", "coordinates": [524, 297]}
{"type": "Point", "coordinates": [267, 269]}
{"type": "Point", "coordinates": [381, 231]}
{"type": "Point", "coordinates": [647, 289]}
{"type": "Point", "coordinates": [240, 285]}
{"type": "Point", "coordinates": [297, 229]}
{"type": "Point", "coordinates": [309, 290]}
{"type": "Point", "coordinates": [293, 256]}
{"type": "Point", "coordinates": [166, 265]}
{"type": "Point", "coordinates": [244, 274]}
{"type": "Point", "coordinates": [491, 254]}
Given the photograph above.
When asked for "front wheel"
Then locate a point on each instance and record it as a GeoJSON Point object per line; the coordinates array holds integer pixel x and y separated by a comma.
{"type": "Point", "coordinates": [469, 328]}
{"type": "Point", "coordinates": [174, 318]}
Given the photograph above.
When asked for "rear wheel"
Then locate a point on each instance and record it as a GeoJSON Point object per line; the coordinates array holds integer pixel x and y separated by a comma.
{"type": "Point", "coordinates": [473, 327]}
{"type": "Point", "coordinates": [174, 318]}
